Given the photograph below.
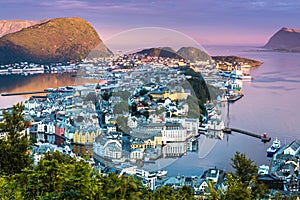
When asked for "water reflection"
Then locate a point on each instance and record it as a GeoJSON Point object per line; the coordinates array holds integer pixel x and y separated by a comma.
{"type": "Point", "coordinates": [36, 82]}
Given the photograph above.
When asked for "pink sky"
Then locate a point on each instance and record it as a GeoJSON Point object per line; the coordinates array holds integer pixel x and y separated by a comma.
{"type": "Point", "coordinates": [209, 22]}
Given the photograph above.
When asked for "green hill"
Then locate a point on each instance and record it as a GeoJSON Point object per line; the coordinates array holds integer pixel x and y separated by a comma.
{"type": "Point", "coordinates": [188, 53]}
{"type": "Point", "coordinates": [165, 52]}
{"type": "Point", "coordinates": [193, 54]}
{"type": "Point", "coordinates": [56, 40]}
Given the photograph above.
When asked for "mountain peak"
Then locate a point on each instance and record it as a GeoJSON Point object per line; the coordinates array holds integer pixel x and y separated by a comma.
{"type": "Point", "coordinates": [54, 40]}
{"type": "Point", "coordinates": [291, 30]}
{"type": "Point", "coordinates": [286, 39]}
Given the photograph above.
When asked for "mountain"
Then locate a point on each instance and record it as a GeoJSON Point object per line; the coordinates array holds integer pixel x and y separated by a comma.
{"type": "Point", "coordinates": [55, 40]}
{"type": "Point", "coordinates": [100, 51]}
{"type": "Point", "coordinates": [193, 54]}
{"type": "Point", "coordinates": [187, 53]}
{"type": "Point", "coordinates": [165, 52]}
{"type": "Point", "coordinates": [286, 39]}
{"type": "Point", "coordinates": [12, 26]}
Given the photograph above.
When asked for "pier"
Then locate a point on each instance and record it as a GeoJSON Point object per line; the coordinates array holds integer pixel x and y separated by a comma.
{"type": "Point", "coordinates": [23, 93]}
{"type": "Point", "coordinates": [263, 137]}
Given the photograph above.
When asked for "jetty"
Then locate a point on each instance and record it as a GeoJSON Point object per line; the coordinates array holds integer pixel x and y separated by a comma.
{"type": "Point", "coordinates": [264, 138]}
{"type": "Point", "coordinates": [23, 93]}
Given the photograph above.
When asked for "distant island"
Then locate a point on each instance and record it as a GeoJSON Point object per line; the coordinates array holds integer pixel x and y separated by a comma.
{"type": "Point", "coordinates": [236, 59]}
{"type": "Point", "coordinates": [286, 39]}
{"type": "Point", "coordinates": [50, 41]}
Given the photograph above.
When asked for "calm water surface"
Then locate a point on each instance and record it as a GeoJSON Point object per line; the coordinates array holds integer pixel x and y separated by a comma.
{"type": "Point", "coordinates": [270, 105]}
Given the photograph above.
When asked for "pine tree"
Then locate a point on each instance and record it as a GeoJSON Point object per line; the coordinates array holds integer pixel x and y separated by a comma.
{"type": "Point", "coordinates": [14, 145]}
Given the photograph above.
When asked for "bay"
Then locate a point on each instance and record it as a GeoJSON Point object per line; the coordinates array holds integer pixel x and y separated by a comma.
{"type": "Point", "coordinates": [270, 105]}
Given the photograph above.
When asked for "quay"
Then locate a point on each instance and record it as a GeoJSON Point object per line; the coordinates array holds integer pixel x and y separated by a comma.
{"type": "Point", "coordinates": [23, 93]}
{"type": "Point", "coordinates": [263, 137]}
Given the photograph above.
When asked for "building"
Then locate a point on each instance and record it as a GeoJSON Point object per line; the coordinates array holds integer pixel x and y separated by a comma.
{"type": "Point", "coordinates": [174, 149]}
{"type": "Point", "coordinates": [173, 132]}
{"type": "Point", "coordinates": [113, 149]}
{"type": "Point", "coordinates": [293, 148]}
{"type": "Point", "coordinates": [137, 154]}
{"type": "Point", "coordinates": [86, 136]}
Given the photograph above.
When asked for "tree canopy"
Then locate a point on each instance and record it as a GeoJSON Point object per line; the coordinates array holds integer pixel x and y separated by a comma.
{"type": "Point", "coordinates": [242, 184]}
{"type": "Point", "coordinates": [244, 167]}
{"type": "Point", "coordinates": [15, 144]}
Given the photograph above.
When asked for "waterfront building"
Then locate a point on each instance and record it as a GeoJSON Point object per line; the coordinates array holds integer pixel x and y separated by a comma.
{"type": "Point", "coordinates": [86, 136]}
{"type": "Point", "coordinates": [173, 132]}
{"type": "Point", "coordinates": [174, 149]}
{"type": "Point", "coordinates": [293, 148]}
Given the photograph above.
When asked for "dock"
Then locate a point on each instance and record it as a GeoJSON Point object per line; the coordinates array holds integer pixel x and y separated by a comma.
{"type": "Point", "coordinates": [263, 137]}
{"type": "Point", "coordinates": [23, 93]}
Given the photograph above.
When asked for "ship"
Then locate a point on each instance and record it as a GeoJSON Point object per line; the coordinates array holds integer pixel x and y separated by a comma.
{"type": "Point", "coordinates": [234, 97]}
{"type": "Point", "coordinates": [234, 90]}
{"type": "Point", "coordinates": [273, 148]}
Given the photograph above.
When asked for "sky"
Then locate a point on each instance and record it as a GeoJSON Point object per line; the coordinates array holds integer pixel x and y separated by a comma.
{"type": "Point", "coordinates": [209, 22]}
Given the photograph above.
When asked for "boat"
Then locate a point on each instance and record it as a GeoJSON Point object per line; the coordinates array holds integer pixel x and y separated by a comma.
{"type": "Point", "coordinates": [234, 90]}
{"type": "Point", "coordinates": [246, 77]}
{"type": "Point", "coordinates": [234, 97]}
{"type": "Point", "coordinates": [273, 148]}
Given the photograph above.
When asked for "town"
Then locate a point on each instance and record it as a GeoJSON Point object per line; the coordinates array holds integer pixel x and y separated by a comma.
{"type": "Point", "coordinates": [128, 112]}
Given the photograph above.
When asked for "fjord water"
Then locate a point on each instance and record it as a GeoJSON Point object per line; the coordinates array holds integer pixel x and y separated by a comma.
{"type": "Point", "coordinates": [29, 83]}
{"type": "Point", "coordinates": [270, 105]}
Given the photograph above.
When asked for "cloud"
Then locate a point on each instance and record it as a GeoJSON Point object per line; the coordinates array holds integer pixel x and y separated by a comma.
{"type": "Point", "coordinates": [106, 6]}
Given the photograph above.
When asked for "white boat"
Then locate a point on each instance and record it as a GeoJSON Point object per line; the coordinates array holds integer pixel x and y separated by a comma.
{"type": "Point", "coordinates": [247, 77]}
{"type": "Point", "coordinates": [273, 148]}
{"type": "Point", "coordinates": [234, 97]}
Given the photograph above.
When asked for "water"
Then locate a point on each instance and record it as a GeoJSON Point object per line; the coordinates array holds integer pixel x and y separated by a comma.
{"type": "Point", "coordinates": [37, 82]}
{"type": "Point", "coordinates": [270, 105]}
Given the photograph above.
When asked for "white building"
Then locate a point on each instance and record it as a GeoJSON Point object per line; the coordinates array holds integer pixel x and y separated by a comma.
{"type": "Point", "coordinates": [293, 148]}
{"type": "Point", "coordinates": [174, 149]}
{"type": "Point", "coordinates": [173, 132]}
{"type": "Point", "coordinates": [136, 154]}
{"type": "Point", "coordinates": [113, 149]}
{"type": "Point", "coordinates": [31, 104]}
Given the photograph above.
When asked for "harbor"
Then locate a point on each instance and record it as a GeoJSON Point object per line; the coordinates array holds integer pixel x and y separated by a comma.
{"type": "Point", "coordinates": [221, 147]}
